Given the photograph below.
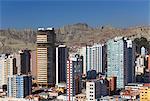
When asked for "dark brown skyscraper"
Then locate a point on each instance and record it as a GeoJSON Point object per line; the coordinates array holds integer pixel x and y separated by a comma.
{"type": "Point", "coordinates": [46, 56]}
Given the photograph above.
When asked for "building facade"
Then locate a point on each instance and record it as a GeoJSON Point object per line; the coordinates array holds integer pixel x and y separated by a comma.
{"type": "Point", "coordinates": [80, 97]}
{"type": "Point", "coordinates": [46, 56]}
{"type": "Point", "coordinates": [74, 76]}
{"type": "Point", "coordinates": [120, 61]}
{"type": "Point", "coordinates": [61, 63]}
{"type": "Point", "coordinates": [149, 62]}
{"type": "Point", "coordinates": [19, 86]}
{"type": "Point", "coordinates": [33, 65]}
{"type": "Point", "coordinates": [131, 58]}
{"type": "Point", "coordinates": [143, 51]}
{"type": "Point", "coordinates": [95, 89]}
{"type": "Point", "coordinates": [25, 61]}
{"type": "Point", "coordinates": [7, 68]}
{"type": "Point", "coordinates": [145, 93]}
{"type": "Point", "coordinates": [94, 58]}
{"type": "Point", "coordinates": [140, 66]}
{"type": "Point", "coordinates": [112, 85]}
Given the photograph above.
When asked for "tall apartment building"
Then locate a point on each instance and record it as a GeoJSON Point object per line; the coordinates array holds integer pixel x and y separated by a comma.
{"type": "Point", "coordinates": [33, 65]}
{"type": "Point", "coordinates": [149, 62]}
{"type": "Point", "coordinates": [83, 52]}
{"type": "Point", "coordinates": [74, 76]}
{"type": "Point", "coordinates": [120, 60]}
{"type": "Point", "coordinates": [131, 58]}
{"type": "Point", "coordinates": [94, 58]}
{"type": "Point", "coordinates": [19, 86]}
{"type": "Point", "coordinates": [140, 66]}
{"type": "Point", "coordinates": [7, 68]}
{"type": "Point", "coordinates": [95, 89]}
{"type": "Point", "coordinates": [46, 56]}
{"type": "Point", "coordinates": [18, 63]}
{"type": "Point", "coordinates": [25, 61]}
{"type": "Point", "coordinates": [61, 63]}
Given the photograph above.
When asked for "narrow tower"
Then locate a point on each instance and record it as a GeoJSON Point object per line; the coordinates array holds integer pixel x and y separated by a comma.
{"type": "Point", "coordinates": [46, 56]}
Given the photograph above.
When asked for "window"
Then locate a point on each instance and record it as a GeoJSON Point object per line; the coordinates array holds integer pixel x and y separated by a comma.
{"type": "Point", "coordinates": [91, 95]}
{"type": "Point", "coordinates": [91, 85]}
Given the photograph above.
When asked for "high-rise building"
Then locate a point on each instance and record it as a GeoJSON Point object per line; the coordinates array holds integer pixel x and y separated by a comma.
{"type": "Point", "coordinates": [139, 67]}
{"type": "Point", "coordinates": [149, 62]}
{"type": "Point", "coordinates": [120, 60]}
{"type": "Point", "coordinates": [131, 48]}
{"type": "Point", "coordinates": [25, 61]}
{"type": "Point", "coordinates": [18, 63]}
{"type": "Point", "coordinates": [46, 56]}
{"type": "Point", "coordinates": [83, 52]}
{"type": "Point", "coordinates": [19, 86]}
{"type": "Point", "coordinates": [74, 76]}
{"type": "Point", "coordinates": [95, 89]}
{"type": "Point", "coordinates": [7, 68]}
{"type": "Point", "coordinates": [33, 65]}
{"type": "Point", "coordinates": [94, 58]}
{"type": "Point", "coordinates": [61, 63]}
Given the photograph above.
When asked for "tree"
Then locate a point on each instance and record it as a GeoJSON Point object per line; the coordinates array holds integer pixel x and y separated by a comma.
{"type": "Point", "coordinates": [141, 42]}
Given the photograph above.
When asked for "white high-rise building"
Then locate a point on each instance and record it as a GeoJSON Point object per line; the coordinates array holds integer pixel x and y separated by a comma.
{"type": "Point", "coordinates": [93, 58]}
{"type": "Point", "coordinates": [7, 68]}
{"type": "Point", "coordinates": [139, 68]}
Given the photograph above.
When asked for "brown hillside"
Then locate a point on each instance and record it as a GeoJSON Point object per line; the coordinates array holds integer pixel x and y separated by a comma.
{"type": "Point", "coordinates": [79, 34]}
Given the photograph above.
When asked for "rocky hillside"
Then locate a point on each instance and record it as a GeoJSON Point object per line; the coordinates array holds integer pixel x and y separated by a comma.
{"type": "Point", "coordinates": [74, 36]}
{"type": "Point", "coordinates": [12, 40]}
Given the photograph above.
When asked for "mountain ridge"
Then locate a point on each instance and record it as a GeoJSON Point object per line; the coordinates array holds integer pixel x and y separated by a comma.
{"type": "Point", "coordinates": [75, 35]}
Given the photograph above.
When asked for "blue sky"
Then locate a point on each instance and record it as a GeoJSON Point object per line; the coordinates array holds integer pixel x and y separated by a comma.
{"type": "Point", "coordinates": [57, 13]}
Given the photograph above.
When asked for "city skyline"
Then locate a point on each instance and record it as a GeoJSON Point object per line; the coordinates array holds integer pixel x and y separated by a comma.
{"type": "Point", "coordinates": [74, 50]}
{"type": "Point", "coordinates": [50, 13]}
{"type": "Point", "coordinates": [57, 73]}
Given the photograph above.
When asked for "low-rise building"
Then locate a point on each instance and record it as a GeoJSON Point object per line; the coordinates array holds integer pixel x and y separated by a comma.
{"type": "Point", "coordinates": [111, 98]}
{"type": "Point", "coordinates": [95, 89]}
{"type": "Point", "coordinates": [80, 97]}
{"type": "Point", "coordinates": [133, 86]}
{"type": "Point", "coordinates": [16, 99]}
{"type": "Point", "coordinates": [130, 94]}
{"type": "Point", "coordinates": [112, 85]}
{"type": "Point", "coordinates": [145, 93]}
